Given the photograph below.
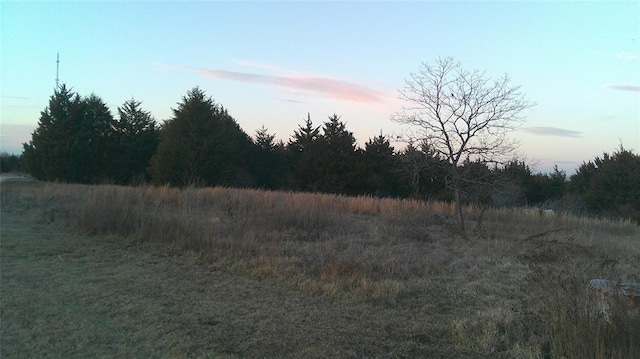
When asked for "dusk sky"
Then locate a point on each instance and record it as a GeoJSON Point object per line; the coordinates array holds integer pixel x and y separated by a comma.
{"type": "Point", "coordinates": [271, 63]}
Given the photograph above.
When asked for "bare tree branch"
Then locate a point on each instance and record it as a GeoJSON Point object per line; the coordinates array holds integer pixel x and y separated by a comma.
{"type": "Point", "coordinates": [462, 114]}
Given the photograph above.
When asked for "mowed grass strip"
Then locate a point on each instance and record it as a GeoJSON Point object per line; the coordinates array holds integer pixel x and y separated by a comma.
{"type": "Point", "coordinates": [66, 295]}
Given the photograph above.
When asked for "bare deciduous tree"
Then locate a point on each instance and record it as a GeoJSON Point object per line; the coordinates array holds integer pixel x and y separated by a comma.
{"type": "Point", "coordinates": [461, 115]}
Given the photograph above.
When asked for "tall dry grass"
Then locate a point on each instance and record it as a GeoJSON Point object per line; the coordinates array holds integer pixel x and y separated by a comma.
{"type": "Point", "coordinates": [513, 290]}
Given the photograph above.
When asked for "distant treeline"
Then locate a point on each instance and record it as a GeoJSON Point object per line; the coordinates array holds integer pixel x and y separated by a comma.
{"type": "Point", "coordinates": [10, 163]}
{"type": "Point", "coordinates": [78, 140]}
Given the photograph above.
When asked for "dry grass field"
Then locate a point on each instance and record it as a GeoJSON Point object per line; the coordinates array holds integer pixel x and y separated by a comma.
{"type": "Point", "coordinates": [109, 271]}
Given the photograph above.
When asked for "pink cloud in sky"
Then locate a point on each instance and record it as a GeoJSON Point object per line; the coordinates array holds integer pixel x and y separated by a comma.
{"type": "Point", "coordinates": [262, 66]}
{"type": "Point", "coordinates": [624, 87]}
{"type": "Point", "coordinates": [307, 85]}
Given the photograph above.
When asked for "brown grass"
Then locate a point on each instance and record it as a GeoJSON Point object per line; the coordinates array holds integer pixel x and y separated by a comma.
{"type": "Point", "coordinates": [514, 290]}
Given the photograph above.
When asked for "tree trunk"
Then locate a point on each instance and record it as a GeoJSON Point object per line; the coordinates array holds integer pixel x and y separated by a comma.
{"type": "Point", "coordinates": [458, 200]}
{"type": "Point", "coordinates": [459, 207]}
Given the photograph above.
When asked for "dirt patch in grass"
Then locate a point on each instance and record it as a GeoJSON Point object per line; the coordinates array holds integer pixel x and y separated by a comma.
{"type": "Point", "coordinates": [67, 295]}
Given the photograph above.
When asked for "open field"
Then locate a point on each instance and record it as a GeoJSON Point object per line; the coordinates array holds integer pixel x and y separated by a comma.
{"type": "Point", "coordinates": [107, 271]}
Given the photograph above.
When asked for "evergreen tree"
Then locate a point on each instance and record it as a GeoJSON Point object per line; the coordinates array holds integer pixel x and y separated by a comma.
{"type": "Point", "coordinates": [268, 162]}
{"type": "Point", "coordinates": [538, 190]}
{"type": "Point", "coordinates": [264, 140]}
{"type": "Point", "coordinates": [303, 151]}
{"type": "Point", "coordinates": [580, 182]}
{"type": "Point", "coordinates": [337, 158]}
{"type": "Point", "coordinates": [304, 137]}
{"type": "Point", "coordinates": [434, 174]}
{"type": "Point", "coordinates": [610, 185]}
{"type": "Point", "coordinates": [412, 163]}
{"type": "Point", "coordinates": [135, 141]}
{"type": "Point", "coordinates": [202, 144]}
{"type": "Point", "coordinates": [513, 182]}
{"type": "Point", "coordinates": [477, 182]}
{"type": "Point", "coordinates": [10, 163]}
{"type": "Point", "coordinates": [88, 152]}
{"type": "Point", "coordinates": [326, 162]}
{"type": "Point", "coordinates": [71, 141]}
{"type": "Point", "coordinates": [47, 154]}
{"type": "Point", "coordinates": [557, 183]}
{"type": "Point", "coordinates": [381, 167]}
{"type": "Point", "coordinates": [422, 173]}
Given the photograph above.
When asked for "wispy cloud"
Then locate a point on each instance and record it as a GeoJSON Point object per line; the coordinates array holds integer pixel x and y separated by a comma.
{"type": "Point", "coordinates": [14, 107]}
{"type": "Point", "coordinates": [568, 162]}
{"type": "Point", "coordinates": [290, 100]}
{"type": "Point", "coordinates": [627, 56]}
{"type": "Point", "coordinates": [14, 97]}
{"type": "Point", "coordinates": [552, 131]}
{"type": "Point", "coordinates": [307, 85]}
{"type": "Point", "coordinates": [262, 66]}
{"type": "Point", "coordinates": [292, 84]}
{"type": "Point", "coordinates": [164, 67]}
{"type": "Point", "coordinates": [624, 87]}
{"type": "Point", "coordinates": [11, 103]}
{"type": "Point", "coordinates": [606, 118]}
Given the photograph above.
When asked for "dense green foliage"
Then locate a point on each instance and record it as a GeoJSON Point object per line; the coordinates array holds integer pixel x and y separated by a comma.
{"type": "Point", "coordinates": [77, 140]}
{"type": "Point", "coordinates": [10, 163]}
{"type": "Point", "coordinates": [610, 185]}
{"type": "Point", "coordinates": [202, 144]}
{"type": "Point", "coordinates": [328, 161]}
{"type": "Point", "coordinates": [382, 171]}
{"type": "Point", "coordinates": [47, 155]}
{"type": "Point", "coordinates": [269, 161]}
{"type": "Point", "coordinates": [134, 142]}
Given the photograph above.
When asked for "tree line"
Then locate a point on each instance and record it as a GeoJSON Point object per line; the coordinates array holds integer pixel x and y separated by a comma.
{"type": "Point", "coordinates": [78, 140]}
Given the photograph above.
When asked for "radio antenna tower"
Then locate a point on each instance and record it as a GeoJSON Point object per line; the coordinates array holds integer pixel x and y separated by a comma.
{"type": "Point", "coordinates": [57, 68]}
